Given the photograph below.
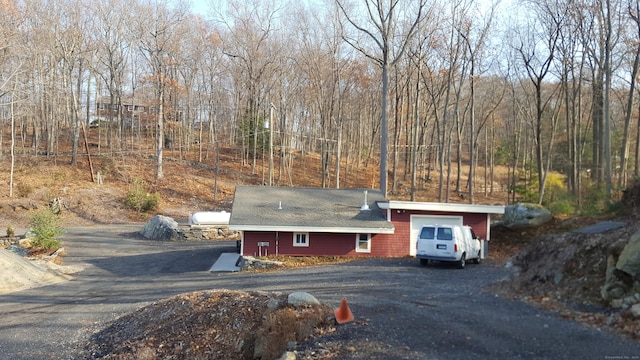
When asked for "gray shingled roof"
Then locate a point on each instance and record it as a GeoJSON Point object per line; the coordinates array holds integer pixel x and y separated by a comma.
{"type": "Point", "coordinates": [262, 208]}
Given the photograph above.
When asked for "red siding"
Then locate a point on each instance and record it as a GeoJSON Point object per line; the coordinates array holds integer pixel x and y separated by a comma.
{"type": "Point", "coordinates": [328, 244]}
{"type": "Point", "coordinates": [402, 224]}
{"type": "Point", "coordinates": [321, 244]}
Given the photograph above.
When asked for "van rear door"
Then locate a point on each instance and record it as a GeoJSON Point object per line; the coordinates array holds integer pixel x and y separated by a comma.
{"type": "Point", "coordinates": [426, 244]}
{"type": "Point", "coordinates": [444, 244]}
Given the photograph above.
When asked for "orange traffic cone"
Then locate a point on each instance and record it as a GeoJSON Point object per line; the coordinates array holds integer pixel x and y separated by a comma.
{"type": "Point", "coordinates": [343, 314]}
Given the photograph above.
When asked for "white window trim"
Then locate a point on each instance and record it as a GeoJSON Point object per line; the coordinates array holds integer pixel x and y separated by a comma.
{"type": "Point", "coordinates": [306, 237]}
{"type": "Point", "coordinates": [368, 249]}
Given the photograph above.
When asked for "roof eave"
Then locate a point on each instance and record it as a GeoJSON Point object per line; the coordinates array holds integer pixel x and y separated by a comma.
{"type": "Point", "coordinates": [311, 229]}
{"type": "Point", "coordinates": [445, 207]}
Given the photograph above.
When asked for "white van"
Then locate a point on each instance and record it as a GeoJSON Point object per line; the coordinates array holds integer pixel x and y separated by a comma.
{"type": "Point", "coordinates": [453, 243]}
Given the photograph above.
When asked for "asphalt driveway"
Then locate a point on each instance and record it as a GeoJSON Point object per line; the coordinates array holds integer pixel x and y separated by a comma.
{"type": "Point", "coordinates": [402, 310]}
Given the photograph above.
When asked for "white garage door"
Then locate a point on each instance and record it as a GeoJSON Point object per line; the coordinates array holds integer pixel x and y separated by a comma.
{"type": "Point", "coordinates": [417, 221]}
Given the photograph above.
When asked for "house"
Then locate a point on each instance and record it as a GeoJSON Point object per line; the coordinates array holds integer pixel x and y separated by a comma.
{"type": "Point", "coordinates": [141, 109]}
{"type": "Point", "coordinates": [130, 109]}
{"type": "Point", "coordinates": [340, 222]}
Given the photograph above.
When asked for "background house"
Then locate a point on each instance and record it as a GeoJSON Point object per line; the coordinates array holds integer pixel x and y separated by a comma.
{"type": "Point", "coordinates": [340, 222]}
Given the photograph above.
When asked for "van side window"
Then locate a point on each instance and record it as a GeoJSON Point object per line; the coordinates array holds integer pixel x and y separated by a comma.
{"type": "Point", "coordinates": [445, 234]}
{"type": "Point", "coordinates": [427, 232]}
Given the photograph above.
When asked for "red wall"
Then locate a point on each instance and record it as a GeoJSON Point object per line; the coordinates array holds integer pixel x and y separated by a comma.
{"type": "Point", "coordinates": [329, 244]}
{"type": "Point", "coordinates": [321, 244]}
{"type": "Point", "coordinates": [402, 221]}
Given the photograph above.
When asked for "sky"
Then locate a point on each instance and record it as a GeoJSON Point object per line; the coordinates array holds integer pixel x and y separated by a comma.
{"type": "Point", "coordinates": [203, 7]}
{"type": "Point", "coordinates": [200, 6]}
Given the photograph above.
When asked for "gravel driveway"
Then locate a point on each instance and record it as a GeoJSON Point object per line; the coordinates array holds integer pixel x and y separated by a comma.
{"type": "Point", "coordinates": [402, 310]}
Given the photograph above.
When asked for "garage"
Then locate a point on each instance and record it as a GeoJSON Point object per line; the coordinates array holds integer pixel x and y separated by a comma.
{"type": "Point", "coordinates": [417, 221]}
{"type": "Point", "coordinates": [408, 217]}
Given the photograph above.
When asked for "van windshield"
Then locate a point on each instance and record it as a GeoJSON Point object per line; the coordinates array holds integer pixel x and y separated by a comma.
{"type": "Point", "coordinates": [445, 234]}
{"type": "Point", "coordinates": [427, 233]}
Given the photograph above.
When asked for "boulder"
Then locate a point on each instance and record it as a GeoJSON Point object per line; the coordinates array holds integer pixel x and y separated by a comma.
{"type": "Point", "coordinates": [629, 259]}
{"type": "Point", "coordinates": [160, 228]}
{"type": "Point", "coordinates": [623, 274]}
{"type": "Point", "coordinates": [301, 298]}
{"type": "Point", "coordinates": [522, 216]}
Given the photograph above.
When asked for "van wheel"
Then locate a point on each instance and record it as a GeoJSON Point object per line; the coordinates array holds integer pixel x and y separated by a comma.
{"type": "Point", "coordinates": [477, 260]}
{"type": "Point", "coordinates": [462, 262]}
{"type": "Point", "coordinates": [424, 262]}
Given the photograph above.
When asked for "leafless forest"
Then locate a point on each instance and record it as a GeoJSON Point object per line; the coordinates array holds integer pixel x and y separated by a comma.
{"type": "Point", "coordinates": [428, 90]}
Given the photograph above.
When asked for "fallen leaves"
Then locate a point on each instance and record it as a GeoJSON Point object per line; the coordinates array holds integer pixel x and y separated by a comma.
{"type": "Point", "coordinates": [217, 324]}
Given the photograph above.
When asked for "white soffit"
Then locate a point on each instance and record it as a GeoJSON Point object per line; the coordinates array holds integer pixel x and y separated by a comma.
{"type": "Point", "coordinates": [444, 207]}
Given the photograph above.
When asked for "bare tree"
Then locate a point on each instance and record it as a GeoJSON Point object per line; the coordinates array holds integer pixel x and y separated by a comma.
{"type": "Point", "coordinates": [321, 66]}
{"type": "Point", "coordinates": [634, 14]}
{"type": "Point", "coordinates": [390, 26]}
{"type": "Point", "coordinates": [249, 26]}
{"type": "Point", "coordinates": [537, 68]}
{"type": "Point", "coordinates": [475, 38]}
{"type": "Point", "coordinates": [159, 33]}
{"type": "Point", "coordinates": [111, 32]}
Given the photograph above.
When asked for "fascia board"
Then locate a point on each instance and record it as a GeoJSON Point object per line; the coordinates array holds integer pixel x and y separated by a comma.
{"type": "Point", "coordinates": [445, 207]}
{"type": "Point", "coordinates": [307, 229]}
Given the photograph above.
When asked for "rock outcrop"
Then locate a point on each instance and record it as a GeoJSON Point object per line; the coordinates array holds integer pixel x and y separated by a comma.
{"type": "Point", "coordinates": [629, 259]}
{"type": "Point", "coordinates": [623, 275]}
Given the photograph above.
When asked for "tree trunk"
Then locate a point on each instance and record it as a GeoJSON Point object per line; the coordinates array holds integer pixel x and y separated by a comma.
{"type": "Point", "coordinates": [160, 121]}
{"type": "Point", "coordinates": [384, 129]}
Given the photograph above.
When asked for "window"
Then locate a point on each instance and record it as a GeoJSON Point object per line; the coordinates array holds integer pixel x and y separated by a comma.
{"type": "Point", "coordinates": [101, 106]}
{"type": "Point", "coordinates": [130, 108]}
{"type": "Point", "coordinates": [427, 232]}
{"type": "Point", "coordinates": [300, 239]}
{"type": "Point", "coordinates": [445, 234]}
{"type": "Point", "coordinates": [363, 243]}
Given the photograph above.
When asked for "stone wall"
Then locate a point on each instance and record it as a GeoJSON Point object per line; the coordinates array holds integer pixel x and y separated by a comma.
{"type": "Point", "coordinates": [7, 241]}
{"type": "Point", "coordinates": [251, 263]}
{"type": "Point", "coordinates": [164, 228]}
{"type": "Point", "coordinates": [209, 232]}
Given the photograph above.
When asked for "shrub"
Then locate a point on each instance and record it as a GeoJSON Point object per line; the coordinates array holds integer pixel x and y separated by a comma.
{"type": "Point", "coordinates": [139, 199]}
{"type": "Point", "coordinates": [555, 188]}
{"type": "Point", "coordinates": [45, 229]}
{"type": "Point", "coordinates": [24, 190]}
{"type": "Point", "coordinates": [562, 207]}
{"type": "Point", "coordinates": [594, 202]}
{"type": "Point", "coordinates": [10, 231]}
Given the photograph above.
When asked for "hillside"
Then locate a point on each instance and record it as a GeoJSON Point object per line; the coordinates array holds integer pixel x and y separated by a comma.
{"type": "Point", "coordinates": [187, 185]}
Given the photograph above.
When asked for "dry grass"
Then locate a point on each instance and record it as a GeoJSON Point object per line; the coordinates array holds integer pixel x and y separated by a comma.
{"type": "Point", "coordinates": [301, 261]}
{"type": "Point", "coordinates": [187, 185]}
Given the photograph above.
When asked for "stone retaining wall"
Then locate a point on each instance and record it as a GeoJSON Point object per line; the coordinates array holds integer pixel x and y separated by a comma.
{"type": "Point", "coordinates": [210, 232]}
{"type": "Point", "coordinates": [164, 228]}
{"type": "Point", "coordinates": [250, 263]}
{"type": "Point", "coordinates": [7, 241]}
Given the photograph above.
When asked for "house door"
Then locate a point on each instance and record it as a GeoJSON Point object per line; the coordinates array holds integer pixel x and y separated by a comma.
{"type": "Point", "coordinates": [417, 221]}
